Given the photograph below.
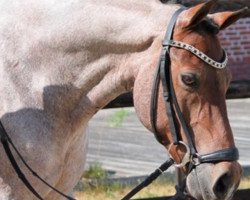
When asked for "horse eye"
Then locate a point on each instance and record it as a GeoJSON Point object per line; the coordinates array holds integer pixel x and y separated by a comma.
{"type": "Point", "coordinates": [189, 80]}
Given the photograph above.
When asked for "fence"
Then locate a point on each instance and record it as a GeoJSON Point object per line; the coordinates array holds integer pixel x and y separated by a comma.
{"type": "Point", "coordinates": [237, 89]}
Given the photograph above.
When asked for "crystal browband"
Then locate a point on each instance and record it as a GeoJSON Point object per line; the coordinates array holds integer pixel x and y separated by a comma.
{"type": "Point", "coordinates": [199, 54]}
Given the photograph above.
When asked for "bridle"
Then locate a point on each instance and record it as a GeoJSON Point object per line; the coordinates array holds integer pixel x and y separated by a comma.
{"type": "Point", "coordinates": [173, 111]}
{"type": "Point", "coordinates": [192, 158]}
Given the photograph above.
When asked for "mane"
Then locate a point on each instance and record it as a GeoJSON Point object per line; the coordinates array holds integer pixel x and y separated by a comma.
{"type": "Point", "coordinates": [169, 1]}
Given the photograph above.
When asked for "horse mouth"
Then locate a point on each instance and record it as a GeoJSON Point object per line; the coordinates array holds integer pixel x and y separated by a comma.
{"type": "Point", "coordinates": [214, 181]}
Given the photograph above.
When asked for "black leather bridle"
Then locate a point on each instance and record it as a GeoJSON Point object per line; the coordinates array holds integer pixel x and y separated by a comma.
{"type": "Point", "coordinates": [173, 111]}
{"type": "Point", "coordinates": [192, 158]}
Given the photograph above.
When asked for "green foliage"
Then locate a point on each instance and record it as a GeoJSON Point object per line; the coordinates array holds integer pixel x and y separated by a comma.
{"type": "Point", "coordinates": [118, 117]}
{"type": "Point", "coordinates": [116, 190]}
{"type": "Point", "coordinates": [97, 186]}
{"type": "Point", "coordinates": [95, 171]}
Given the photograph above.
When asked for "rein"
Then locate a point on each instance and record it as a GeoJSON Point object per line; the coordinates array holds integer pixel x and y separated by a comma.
{"type": "Point", "coordinates": [6, 140]}
{"type": "Point", "coordinates": [191, 158]}
{"type": "Point", "coordinates": [149, 179]}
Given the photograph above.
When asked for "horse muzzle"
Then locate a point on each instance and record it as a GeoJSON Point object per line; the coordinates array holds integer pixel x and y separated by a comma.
{"type": "Point", "coordinates": [214, 181]}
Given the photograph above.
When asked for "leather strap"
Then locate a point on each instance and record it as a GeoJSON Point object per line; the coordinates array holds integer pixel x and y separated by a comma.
{"type": "Point", "coordinates": [6, 140]}
{"type": "Point", "coordinates": [171, 24]}
{"type": "Point", "coordinates": [172, 103]}
{"type": "Point", "coordinates": [160, 71]}
{"type": "Point", "coordinates": [229, 154]}
{"type": "Point", "coordinates": [173, 110]}
{"type": "Point", "coordinates": [149, 179]}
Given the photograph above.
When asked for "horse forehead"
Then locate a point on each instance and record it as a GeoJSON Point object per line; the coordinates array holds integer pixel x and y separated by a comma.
{"type": "Point", "coordinates": [189, 62]}
{"type": "Point", "coordinates": [207, 43]}
{"type": "Point", "coordinates": [200, 37]}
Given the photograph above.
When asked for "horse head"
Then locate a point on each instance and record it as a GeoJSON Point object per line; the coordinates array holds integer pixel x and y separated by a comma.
{"type": "Point", "coordinates": [200, 88]}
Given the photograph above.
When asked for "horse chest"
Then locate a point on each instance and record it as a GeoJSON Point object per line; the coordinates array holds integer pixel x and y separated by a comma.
{"type": "Point", "coordinates": [56, 158]}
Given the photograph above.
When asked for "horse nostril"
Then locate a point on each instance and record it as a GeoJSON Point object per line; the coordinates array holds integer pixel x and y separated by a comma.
{"type": "Point", "coordinates": [222, 185]}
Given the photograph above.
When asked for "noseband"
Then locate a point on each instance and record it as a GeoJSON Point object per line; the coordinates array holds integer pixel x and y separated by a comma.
{"type": "Point", "coordinates": [173, 111]}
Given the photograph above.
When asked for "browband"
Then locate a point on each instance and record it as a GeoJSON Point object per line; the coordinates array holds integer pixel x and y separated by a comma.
{"type": "Point", "coordinates": [198, 53]}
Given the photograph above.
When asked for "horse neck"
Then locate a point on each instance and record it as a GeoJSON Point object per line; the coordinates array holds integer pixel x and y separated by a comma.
{"type": "Point", "coordinates": [131, 44]}
{"type": "Point", "coordinates": [83, 56]}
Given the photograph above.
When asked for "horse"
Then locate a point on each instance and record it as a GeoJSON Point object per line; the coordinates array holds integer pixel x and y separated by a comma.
{"type": "Point", "coordinates": [63, 61]}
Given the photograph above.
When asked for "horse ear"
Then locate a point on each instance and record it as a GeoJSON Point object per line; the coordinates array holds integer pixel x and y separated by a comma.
{"type": "Point", "coordinates": [225, 19]}
{"type": "Point", "coordinates": [195, 15]}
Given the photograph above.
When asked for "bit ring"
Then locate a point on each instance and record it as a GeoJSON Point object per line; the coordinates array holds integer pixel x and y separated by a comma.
{"type": "Point", "coordinates": [186, 157]}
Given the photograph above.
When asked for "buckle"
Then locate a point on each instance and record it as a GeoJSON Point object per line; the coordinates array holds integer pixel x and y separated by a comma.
{"type": "Point", "coordinates": [195, 159]}
{"type": "Point", "coordinates": [186, 158]}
